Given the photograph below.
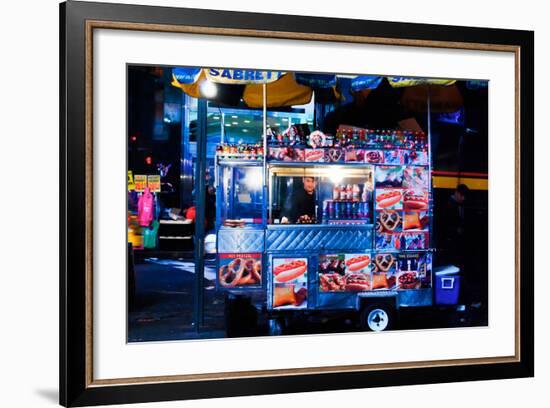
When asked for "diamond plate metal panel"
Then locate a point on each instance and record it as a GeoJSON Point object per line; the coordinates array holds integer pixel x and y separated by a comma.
{"type": "Point", "coordinates": [318, 239]}
{"type": "Point", "coordinates": [240, 240]}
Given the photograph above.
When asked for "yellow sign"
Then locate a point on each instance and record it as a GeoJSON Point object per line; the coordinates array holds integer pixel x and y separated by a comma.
{"type": "Point", "coordinates": [153, 182]}
{"type": "Point", "coordinates": [131, 185]}
{"type": "Point", "coordinates": [399, 82]}
{"type": "Point", "coordinates": [452, 182]}
{"type": "Point", "coordinates": [140, 181]}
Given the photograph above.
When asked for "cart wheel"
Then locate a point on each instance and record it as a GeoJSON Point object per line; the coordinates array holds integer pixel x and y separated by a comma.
{"type": "Point", "coordinates": [276, 327]}
{"type": "Point", "coordinates": [377, 317]}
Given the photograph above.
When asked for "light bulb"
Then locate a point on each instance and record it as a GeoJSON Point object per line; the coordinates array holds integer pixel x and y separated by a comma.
{"type": "Point", "coordinates": [208, 89]}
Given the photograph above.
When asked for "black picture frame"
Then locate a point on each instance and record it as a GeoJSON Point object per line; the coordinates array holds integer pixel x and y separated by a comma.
{"type": "Point", "coordinates": [77, 388]}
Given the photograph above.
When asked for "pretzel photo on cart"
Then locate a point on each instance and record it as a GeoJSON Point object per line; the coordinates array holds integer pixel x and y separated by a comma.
{"type": "Point", "coordinates": [240, 272]}
{"type": "Point", "coordinates": [389, 221]}
{"type": "Point", "coordinates": [229, 275]}
{"type": "Point", "coordinates": [383, 262]}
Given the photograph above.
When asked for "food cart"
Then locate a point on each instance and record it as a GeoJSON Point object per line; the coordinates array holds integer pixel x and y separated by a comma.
{"type": "Point", "coordinates": [363, 245]}
{"type": "Point", "coordinates": [363, 241]}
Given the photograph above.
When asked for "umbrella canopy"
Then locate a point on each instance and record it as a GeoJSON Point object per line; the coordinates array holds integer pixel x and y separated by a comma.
{"type": "Point", "coordinates": [283, 92]}
{"type": "Point", "coordinates": [281, 88]}
{"type": "Point", "coordinates": [229, 86]}
{"type": "Point", "coordinates": [443, 99]}
{"type": "Point", "coordinates": [443, 93]}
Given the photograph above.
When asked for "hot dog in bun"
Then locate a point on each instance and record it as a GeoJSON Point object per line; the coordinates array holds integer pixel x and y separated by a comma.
{"type": "Point", "coordinates": [357, 263]}
{"type": "Point", "coordinates": [389, 199]}
{"type": "Point", "coordinates": [289, 271]}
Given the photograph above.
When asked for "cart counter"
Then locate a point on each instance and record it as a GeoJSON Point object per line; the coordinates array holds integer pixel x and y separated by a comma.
{"type": "Point", "coordinates": [318, 238]}
{"type": "Point", "coordinates": [291, 238]}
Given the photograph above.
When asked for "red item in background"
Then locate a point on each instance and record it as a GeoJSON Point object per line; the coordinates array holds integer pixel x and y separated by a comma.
{"type": "Point", "coordinates": [191, 213]}
{"type": "Point", "coordinates": [145, 208]}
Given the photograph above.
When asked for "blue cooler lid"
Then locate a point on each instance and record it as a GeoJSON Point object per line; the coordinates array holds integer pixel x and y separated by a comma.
{"type": "Point", "coordinates": [447, 270]}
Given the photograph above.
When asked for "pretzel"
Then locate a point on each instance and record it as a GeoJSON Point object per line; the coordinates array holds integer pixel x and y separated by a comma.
{"type": "Point", "coordinates": [257, 271]}
{"type": "Point", "coordinates": [247, 274]}
{"type": "Point", "coordinates": [229, 275]}
{"type": "Point", "coordinates": [383, 262]}
{"type": "Point", "coordinates": [390, 220]}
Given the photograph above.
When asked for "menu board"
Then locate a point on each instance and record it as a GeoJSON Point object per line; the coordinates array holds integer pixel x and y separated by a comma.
{"type": "Point", "coordinates": [240, 270]}
{"type": "Point", "coordinates": [289, 283]}
{"type": "Point", "coordinates": [401, 270]}
{"type": "Point", "coordinates": [394, 195]}
{"type": "Point", "coordinates": [399, 259]}
{"type": "Point", "coordinates": [402, 222]}
{"type": "Point", "coordinates": [384, 270]}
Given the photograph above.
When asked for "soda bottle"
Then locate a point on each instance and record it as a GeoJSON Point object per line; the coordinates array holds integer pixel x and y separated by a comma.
{"type": "Point", "coordinates": [366, 212]}
{"type": "Point", "coordinates": [336, 192]}
{"type": "Point", "coordinates": [371, 138]}
{"type": "Point", "coordinates": [355, 192]}
{"type": "Point", "coordinates": [343, 192]}
{"type": "Point", "coordinates": [337, 210]}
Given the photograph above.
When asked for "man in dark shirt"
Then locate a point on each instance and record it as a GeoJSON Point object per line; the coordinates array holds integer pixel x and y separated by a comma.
{"type": "Point", "coordinates": [300, 205]}
{"type": "Point", "coordinates": [457, 220]}
{"type": "Point", "coordinates": [459, 242]}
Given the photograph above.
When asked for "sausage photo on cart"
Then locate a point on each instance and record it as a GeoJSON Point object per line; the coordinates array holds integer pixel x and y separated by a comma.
{"type": "Point", "coordinates": [357, 282]}
{"type": "Point", "coordinates": [415, 200]}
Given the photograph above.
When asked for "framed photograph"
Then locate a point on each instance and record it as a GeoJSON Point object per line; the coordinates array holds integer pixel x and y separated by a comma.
{"type": "Point", "coordinates": [247, 200]}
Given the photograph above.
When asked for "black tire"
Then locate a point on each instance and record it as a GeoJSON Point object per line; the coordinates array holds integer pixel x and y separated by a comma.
{"type": "Point", "coordinates": [381, 315]}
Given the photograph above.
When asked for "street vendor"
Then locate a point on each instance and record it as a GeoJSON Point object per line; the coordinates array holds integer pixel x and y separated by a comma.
{"type": "Point", "coordinates": [300, 205]}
